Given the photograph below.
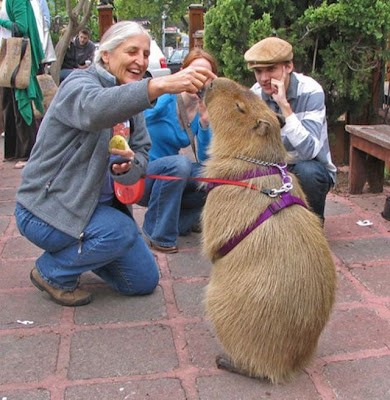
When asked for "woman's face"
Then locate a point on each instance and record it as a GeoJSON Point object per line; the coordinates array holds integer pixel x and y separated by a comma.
{"type": "Point", "coordinates": [129, 61]}
{"type": "Point", "coordinates": [201, 62]}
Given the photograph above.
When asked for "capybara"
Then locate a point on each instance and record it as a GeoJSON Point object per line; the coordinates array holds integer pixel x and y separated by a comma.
{"type": "Point", "coordinates": [271, 293]}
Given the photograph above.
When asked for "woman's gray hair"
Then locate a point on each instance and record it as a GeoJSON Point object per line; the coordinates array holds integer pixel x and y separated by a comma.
{"type": "Point", "coordinates": [116, 35]}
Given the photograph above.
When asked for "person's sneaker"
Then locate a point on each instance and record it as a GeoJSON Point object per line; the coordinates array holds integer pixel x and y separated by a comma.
{"type": "Point", "coordinates": [70, 298]}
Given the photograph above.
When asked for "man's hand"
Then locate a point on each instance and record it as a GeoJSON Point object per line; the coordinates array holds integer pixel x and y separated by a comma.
{"type": "Point", "coordinates": [278, 88]}
{"type": "Point", "coordinates": [279, 94]}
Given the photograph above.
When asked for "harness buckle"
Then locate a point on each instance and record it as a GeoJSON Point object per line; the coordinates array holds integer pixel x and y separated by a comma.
{"type": "Point", "coordinates": [275, 207]}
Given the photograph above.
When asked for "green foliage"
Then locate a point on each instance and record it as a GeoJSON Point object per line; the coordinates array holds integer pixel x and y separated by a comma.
{"type": "Point", "coordinates": [93, 26]}
{"type": "Point", "coordinates": [260, 29]}
{"type": "Point", "coordinates": [338, 42]}
{"type": "Point", "coordinates": [152, 10]}
{"type": "Point", "coordinates": [291, 10]}
{"type": "Point", "coordinates": [345, 41]}
{"type": "Point", "coordinates": [227, 36]}
{"type": "Point", "coordinates": [129, 9]}
{"type": "Point", "coordinates": [60, 19]}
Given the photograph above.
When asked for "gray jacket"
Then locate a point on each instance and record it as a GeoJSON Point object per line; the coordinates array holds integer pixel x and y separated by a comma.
{"type": "Point", "coordinates": [62, 180]}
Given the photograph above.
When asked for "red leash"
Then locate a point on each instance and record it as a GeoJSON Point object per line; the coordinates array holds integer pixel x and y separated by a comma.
{"type": "Point", "coordinates": [130, 194]}
{"type": "Point", "coordinates": [209, 180]}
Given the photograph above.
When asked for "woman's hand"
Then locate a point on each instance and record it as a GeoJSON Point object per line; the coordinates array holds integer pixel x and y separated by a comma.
{"type": "Point", "coordinates": [203, 115]}
{"type": "Point", "coordinates": [123, 167]}
{"type": "Point", "coordinates": [190, 79]}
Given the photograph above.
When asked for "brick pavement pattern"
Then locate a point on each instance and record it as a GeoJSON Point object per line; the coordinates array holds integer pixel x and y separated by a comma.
{"type": "Point", "coordinates": [161, 346]}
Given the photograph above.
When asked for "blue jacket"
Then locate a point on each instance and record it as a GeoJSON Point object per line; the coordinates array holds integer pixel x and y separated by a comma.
{"type": "Point", "coordinates": [166, 133]}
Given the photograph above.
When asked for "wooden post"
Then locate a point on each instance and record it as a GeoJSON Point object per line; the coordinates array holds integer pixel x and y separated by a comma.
{"type": "Point", "coordinates": [196, 12]}
{"type": "Point", "coordinates": [198, 39]}
{"type": "Point", "coordinates": [105, 17]}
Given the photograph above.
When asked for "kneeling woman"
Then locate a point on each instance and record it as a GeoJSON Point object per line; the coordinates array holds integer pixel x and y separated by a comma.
{"type": "Point", "coordinates": [174, 206]}
{"type": "Point", "coordinates": [66, 203]}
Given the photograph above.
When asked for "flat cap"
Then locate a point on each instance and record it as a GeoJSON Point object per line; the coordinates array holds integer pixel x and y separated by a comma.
{"type": "Point", "coordinates": [267, 52]}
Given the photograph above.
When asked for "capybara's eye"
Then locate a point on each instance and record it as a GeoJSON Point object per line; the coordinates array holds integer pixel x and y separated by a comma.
{"type": "Point", "coordinates": [211, 84]}
{"type": "Point", "coordinates": [240, 109]}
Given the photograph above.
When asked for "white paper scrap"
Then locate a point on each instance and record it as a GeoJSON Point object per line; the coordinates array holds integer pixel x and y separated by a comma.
{"type": "Point", "coordinates": [365, 222]}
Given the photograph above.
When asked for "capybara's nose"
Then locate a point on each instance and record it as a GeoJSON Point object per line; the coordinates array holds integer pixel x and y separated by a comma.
{"type": "Point", "coordinates": [202, 92]}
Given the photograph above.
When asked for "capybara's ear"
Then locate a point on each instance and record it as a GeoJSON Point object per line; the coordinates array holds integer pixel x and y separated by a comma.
{"type": "Point", "coordinates": [261, 127]}
{"type": "Point", "coordinates": [281, 119]}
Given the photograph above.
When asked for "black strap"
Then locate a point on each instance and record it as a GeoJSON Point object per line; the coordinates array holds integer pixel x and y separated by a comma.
{"type": "Point", "coordinates": [187, 126]}
{"type": "Point", "coordinates": [15, 30]}
{"type": "Point", "coordinates": [131, 123]}
{"type": "Point", "coordinates": [22, 53]}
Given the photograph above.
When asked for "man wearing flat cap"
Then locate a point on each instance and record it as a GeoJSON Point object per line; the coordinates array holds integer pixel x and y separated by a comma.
{"type": "Point", "coordinates": [301, 100]}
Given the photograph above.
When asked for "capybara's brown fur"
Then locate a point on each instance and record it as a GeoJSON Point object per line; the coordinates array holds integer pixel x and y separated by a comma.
{"type": "Point", "coordinates": [270, 297]}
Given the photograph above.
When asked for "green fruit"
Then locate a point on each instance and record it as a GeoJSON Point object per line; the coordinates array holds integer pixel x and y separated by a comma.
{"type": "Point", "coordinates": [118, 142]}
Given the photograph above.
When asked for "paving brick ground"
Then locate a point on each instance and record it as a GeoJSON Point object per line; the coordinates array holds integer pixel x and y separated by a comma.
{"type": "Point", "coordinates": [161, 346]}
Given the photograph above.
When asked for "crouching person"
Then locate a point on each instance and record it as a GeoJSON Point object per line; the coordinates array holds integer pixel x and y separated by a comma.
{"type": "Point", "coordinates": [301, 100]}
{"type": "Point", "coordinates": [66, 203]}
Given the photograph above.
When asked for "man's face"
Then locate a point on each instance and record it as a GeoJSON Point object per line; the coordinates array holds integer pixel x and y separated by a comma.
{"type": "Point", "coordinates": [277, 71]}
{"type": "Point", "coordinates": [129, 61]}
{"type": "Point", "coordinates": [83, 39]}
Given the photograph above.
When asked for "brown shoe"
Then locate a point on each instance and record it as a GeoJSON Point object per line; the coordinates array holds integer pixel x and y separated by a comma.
{"type": "Point", "coordinates": [163, 249]}
{"type": "Point", "coordinates": [71, 298]}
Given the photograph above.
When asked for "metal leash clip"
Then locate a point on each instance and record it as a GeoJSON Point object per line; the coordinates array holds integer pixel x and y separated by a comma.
{"type": "Point", "coordinates": [286, 187]}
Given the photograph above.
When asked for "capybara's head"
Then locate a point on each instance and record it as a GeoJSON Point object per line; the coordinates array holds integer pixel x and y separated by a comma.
{"type": "Point", "coordinates": [242, 123]}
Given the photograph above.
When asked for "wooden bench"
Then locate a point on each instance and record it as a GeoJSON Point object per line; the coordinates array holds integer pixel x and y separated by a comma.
{"type": "Point", "coordinates": [368, 152]}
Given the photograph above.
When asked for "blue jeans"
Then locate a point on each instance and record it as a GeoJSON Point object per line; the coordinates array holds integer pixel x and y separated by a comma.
{"type": "Point", "coordinates": [112, 248]}
{"type": "Point", "coordinates": [315, 181]}
{"type": "Point", "coordinates": [174, 206]}
{"type": "Point", "coordinates": [64, 73]}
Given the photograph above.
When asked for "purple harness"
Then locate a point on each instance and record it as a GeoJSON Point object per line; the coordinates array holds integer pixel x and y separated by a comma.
{"type": "Point", "coordinates": [285, 200]}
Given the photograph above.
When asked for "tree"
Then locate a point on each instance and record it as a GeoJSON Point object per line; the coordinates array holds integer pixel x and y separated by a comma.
{"type": "Point", "coordinates": [227, 36]}
{"type": "Point", "coordinates": [341, 43]}
{"type": "Point", "coordinates": [79, 15]}
{"type": "Point", "coordinates": [152, 10]}
{"type": "Point", "coordinates": [346, 42]}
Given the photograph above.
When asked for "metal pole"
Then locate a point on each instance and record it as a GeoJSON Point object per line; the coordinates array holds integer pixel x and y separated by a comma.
{"type": "Point", "coordinates": [163, 17]}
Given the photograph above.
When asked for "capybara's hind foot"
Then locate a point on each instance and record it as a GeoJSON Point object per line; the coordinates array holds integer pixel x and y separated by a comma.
{"type": "Point", "coordinates": [225, 362]}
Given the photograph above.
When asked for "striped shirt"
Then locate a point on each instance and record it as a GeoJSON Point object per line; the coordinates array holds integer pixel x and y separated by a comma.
{"type": "Point", "coordinates": [305, 134]}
